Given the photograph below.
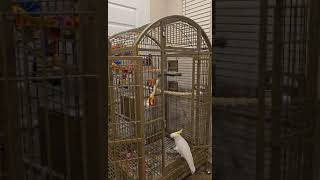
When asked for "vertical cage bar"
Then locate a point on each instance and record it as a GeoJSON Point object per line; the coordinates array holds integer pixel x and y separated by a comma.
{"type": "Point", "coordinates": [82, 58]}
{"type": "Point", "coordinates": [46, 102]}
{"type": "Point", "coordinates": [9, 91]}
{"type": "Point", "coordinates": [209, 106]}
{"type": "Point", "coordinates": [261, 91]}
{"type": "Point", "coordinates": [140, 117]}
{"type": "Point", "coordinates": [198, 60]}
{"type": "Point", "coordinates": [66, 124]}
{"type": "Point", "coordinates": [163, 88]}
{"type": "Point", "coordinates": [312, 78]}
{"type": "Point", "coordinates": [3, 157]}
{"type": "Point", "coordinates": [276, 92]}
{"type": "Point", "coordinates": [193, 119]}
{"type": "Point", "coordinates": [101, 19]}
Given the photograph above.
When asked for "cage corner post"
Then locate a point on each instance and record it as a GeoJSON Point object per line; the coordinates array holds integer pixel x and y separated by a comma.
{"type": "Point", "coordinates": [93, 54]}
{"type": "Point", "coordinates": [260, 127]}
{"type": "Point", "coordinates": [102, 56]}
{"type": "Point", "coordinates": [9, 100]}
{"type": "Point", "coordinates": [141, 120]}
{"type": "Point", "coordinates": [164, 107]}
{"type": "Point", "coordinates": [313, 78]}
{"type": "Point", "coordinates": [209, 112]}
{"type": "Point", "coordinates": [276, 91]}
{"type": "Point", "coordinates": [198, 75]}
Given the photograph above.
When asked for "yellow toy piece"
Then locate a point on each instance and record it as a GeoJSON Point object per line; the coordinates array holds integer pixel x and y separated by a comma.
{"type": "Point", "coordinates": [113, 66]}
{"type": "Point", "coordinates": [18, 10]}
{"type": "Point", "coordinates": [51, 23]}
{"type": "Point", "coordinates": [116, 68]}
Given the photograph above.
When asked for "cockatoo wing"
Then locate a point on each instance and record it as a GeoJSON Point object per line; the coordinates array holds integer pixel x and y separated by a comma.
{"type": "Point", "coordinates": [184, 150]}
{"type": "Point", "coordinates": [177, 149]}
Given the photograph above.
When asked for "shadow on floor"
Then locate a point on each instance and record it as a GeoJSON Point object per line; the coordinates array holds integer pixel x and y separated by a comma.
{"type": "Point", "coordinates": [201, 174]}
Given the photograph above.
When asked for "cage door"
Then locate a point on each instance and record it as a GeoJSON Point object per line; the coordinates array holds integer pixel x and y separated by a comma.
{"type": "Point", "coordinates": [126, 124]}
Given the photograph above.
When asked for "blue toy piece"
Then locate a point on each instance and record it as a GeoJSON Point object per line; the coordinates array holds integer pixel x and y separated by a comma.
{"type": "Point", "coordinates": [29, 5]}
{"type": "Point", "coordinates": [117, 62]}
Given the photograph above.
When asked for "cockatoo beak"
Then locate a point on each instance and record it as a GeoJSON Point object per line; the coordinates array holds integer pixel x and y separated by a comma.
{"type": "Point", "coordinates": [179, 132]}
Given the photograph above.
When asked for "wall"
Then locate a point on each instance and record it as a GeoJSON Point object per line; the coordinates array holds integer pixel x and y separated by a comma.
{"type": "Point", "coordinates": [158, 9]}
{"type": "Point", "coordinates": [162, 8]}
{"type": "Point", "coordinates": [174, 7]}
{"type": "Point", "coordinates": [200, 11]}
{"type": "Point", "coordinates": [124, 15]}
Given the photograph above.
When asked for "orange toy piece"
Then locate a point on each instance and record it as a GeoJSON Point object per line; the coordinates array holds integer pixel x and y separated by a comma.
{"type": "Point", "coordinates": [117, 68]}
{"type": "Point", "coordinates": [76, 20]}
{"type": "Point", "coordinates": [153, 81]}
{"type": "Point", "coordinates": [152, 101]}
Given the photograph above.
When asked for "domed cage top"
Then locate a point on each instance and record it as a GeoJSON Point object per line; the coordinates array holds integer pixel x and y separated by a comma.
{"type": "Point", "coordinates": [159, 83]}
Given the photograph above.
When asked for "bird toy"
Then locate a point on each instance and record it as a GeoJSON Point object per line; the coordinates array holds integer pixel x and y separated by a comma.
{"type": "Point", "coordinates": [117, 46]}
{"type": "Point", "coordinates": [152, 99]}
{"type": "Point", "coordinates": [23, 17]}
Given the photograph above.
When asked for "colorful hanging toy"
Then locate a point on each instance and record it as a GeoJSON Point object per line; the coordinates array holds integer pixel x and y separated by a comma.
{"type": "Point", "coordinates": [152, 99]}
{"type": "Point", "coordinates": [23, 8]}
{"type": "Point", "coordinates": [150, 84]}
{"type": "Point", "coordinates": [147, 60]}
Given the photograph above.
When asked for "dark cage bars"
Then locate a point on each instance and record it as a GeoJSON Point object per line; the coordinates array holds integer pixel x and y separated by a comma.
{"type": "Point", "coordinates": [53, 90]}
{"type": "Point", "coordinates": [270, 59]}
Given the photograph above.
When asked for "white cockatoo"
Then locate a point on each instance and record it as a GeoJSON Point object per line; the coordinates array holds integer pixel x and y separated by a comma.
{"type": "Point", "coordinates": [182, 147]}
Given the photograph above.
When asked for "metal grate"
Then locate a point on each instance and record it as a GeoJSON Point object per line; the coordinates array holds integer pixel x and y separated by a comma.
{"type": "Point", "coordinates": [265, 59]}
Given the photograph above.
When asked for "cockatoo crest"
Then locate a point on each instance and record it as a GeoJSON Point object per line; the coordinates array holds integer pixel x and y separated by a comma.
{"type": "Point", "coordinates": [179, 132]}
{"type": "Point", "coordinates": [175, 134]}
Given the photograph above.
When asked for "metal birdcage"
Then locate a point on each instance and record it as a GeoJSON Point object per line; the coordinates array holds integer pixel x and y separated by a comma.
{"type": "Point", "coordinates": [52, 79]}
{"type": "Point", "coordinates": [159, 83]}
